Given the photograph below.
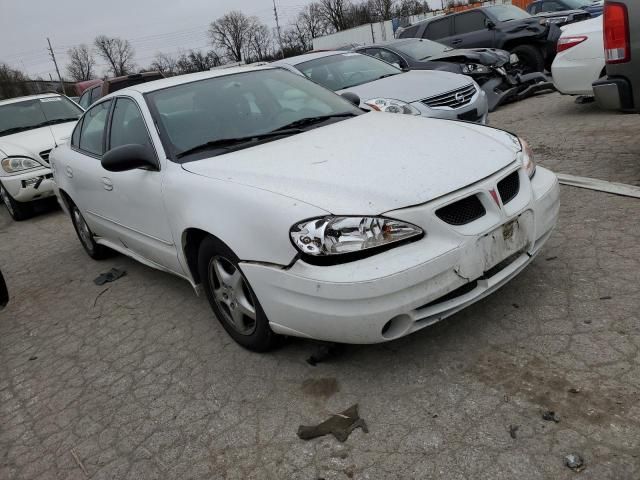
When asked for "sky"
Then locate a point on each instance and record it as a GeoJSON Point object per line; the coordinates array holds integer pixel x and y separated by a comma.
{"type": "Point", "coordinates": [150, 25]}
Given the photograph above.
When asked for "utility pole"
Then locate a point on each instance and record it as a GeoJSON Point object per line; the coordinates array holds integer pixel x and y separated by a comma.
{"type": "Point", "coordinates": [53, 57]}
{"type": "Point", "coordinates": [275, 13]}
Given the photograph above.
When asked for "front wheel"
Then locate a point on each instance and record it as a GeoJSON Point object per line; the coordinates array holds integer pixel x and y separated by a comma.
{"type": "Point", "coordinates": [231, 297]}
{"type": "Point", "coordinates": [530, 58]}
{"type": "Point", "coordinates": [95, 251]}
{"type": "Point", "coordinates": [17, 210]}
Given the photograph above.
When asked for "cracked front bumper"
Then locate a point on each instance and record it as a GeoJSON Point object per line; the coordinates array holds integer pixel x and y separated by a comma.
{"type": "Point", "coordinates": [29, 186]}
{"type": "Point", "coordinates": [402, 290]}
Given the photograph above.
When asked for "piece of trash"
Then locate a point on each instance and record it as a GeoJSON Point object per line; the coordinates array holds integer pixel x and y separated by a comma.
{"type": "Point", "coordinates": [574, 390]}
{"type": "Point", "coordinates": [33, 358]}
{"type": "Point", "coordinates": [515, 305]}
{"type": "Point", "coordinates": [513, 431]}
{"type": "Point", "coordinates": [551, 416]}
{"type": "Point", "coordinates": [584, 99]}
{"type": "Point", "coordinates": [574, 461]}
{"type": "Point", "coordinates": [340, 426]}
{"type": "Point", "coordinates": [110, 276]}
{"type": "Point", "coordinates": [324, 351]}
{"type": "Point", "coordinates": [548, 259]}
{"type": "Point", "coordinates": [435, 415]}
{"type": "Point", "coordinates": [606, 297]}
{"type": "Point", "coordinates": [587, 321]}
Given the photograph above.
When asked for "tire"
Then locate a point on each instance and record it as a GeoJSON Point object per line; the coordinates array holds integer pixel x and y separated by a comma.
{"type": "Point", "coordinates": [18, 210]}
{"type": "Point", "coordinates": [85, 235]}
{"type": "Point", "coordinates": [531, 58]}
{"type": "Point", "coordinates": [232, 299]}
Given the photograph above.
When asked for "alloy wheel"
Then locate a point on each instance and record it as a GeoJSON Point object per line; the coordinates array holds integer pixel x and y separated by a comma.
{"type": "Point", "coordinates": [6, 200]}
{"type": "Point", "coordinates": [83, 229]}
{"type": "Point", "coordinates": [232, 295]}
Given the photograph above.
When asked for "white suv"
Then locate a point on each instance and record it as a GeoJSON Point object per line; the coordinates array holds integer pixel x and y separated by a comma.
{"type": "Point", "coordinates": [29, 128]}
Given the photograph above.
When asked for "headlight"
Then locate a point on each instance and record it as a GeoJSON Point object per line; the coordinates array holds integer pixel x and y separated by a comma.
{"type": "Point", "coordinates": [18, 164]}
{"type": "Point", "coordinates": [340, 237]}
{"type": "Point", "coordinates": [528, 162]}
{"type": "Point", "coordinates": [558, 19]}
{"type": "Point", "coordinates": [472, 68]}
{"type": "Point", "coordinates": [513, 59]}
{"type": "Point", "coordinates": [391, 106]}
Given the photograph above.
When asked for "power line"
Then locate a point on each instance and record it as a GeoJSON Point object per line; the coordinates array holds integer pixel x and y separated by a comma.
{"type": "Point", "coordinates": [53, 57]}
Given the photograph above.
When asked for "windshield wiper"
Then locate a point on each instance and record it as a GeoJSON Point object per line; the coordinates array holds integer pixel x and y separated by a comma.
{"type": "Point", "coordinates": [387, 75]}
{"type": "Point", "coordinates": [9, 131]}
{"type": "Point", "coordinates": [305, 122]}
{"type": "Point", "coordinates": [233, 142]}
{"type": "Point", "coordinates": [59, 120]}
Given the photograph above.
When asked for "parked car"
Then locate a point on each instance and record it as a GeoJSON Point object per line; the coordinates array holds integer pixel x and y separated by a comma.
{"type": "Point", "coordinates": [382, 87]}
{"type": "Point", "coordinates": [4, 293]}
{"type": "Point", "coordinates": [29, 128]}
{"type": "Point", "coordinates": [558, 6]}
{"type": "Point", "coordinates": [491, 68]}
{"type": "Point", "coordinates": [111, 85]}
{"type": "Point", "coordinates": [298, 213]}
{"type": "Point", "coordinates": [580, 58]}
{"type": "Point", "coordinates": [620, 90]}
{"type": "Point", "coordinates": [499, 26]}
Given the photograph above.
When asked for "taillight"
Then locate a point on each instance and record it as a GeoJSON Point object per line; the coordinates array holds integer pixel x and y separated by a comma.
{"type": "Point", "coordinates": [616, 33]}
{"type": "Point", "coordinates": [565, 43]}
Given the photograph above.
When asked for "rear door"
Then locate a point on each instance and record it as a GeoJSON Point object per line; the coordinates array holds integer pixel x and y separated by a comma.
{"type": "Point", "coordinates": [440, 30]}
{"type": "Point", "coordinates": [471, 30]}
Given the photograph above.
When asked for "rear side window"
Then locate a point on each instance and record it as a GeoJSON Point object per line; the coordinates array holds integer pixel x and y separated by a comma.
{"type": "Point", "coordinates": [92, 133]}
{"type": "Point", "coordinates": [469, 22]}
{"type": "Point", "coordinates": [85, 99]}
{"type": "Point", "coordinates": [96, 93]}
{"type": "Point", "coordinates": [409, 32]}
{"type": "Point", "coordinates": [127, 125]}
{"type": "Point", "coordinates": [75, 137]}
{"type": "Point", "coordinates": [438, 29]}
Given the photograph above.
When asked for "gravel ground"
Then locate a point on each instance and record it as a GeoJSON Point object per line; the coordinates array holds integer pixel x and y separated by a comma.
{"type": "Point", "coordinates": [137, 380]}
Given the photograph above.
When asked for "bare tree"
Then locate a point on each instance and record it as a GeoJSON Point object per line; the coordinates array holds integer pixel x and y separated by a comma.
{"type": "Point", "coordinates": [117, 52]}
{"type": "Point", "coordinates": [165, 63]}
{"type": "Point", "coordinates": [13, 83]}
{"type": "Point", "coordinates": [336, 13]}
{"type": "Point", "coordinates": [230, 32]}
{"type": "Point", "coordinates": [259, 41]}
{"type": "Point", "coordinates": [196, 61]}
{"type": "Point", "coordinates": [81, 63]}
{"type": "Point", "coordinates": [381, 9]}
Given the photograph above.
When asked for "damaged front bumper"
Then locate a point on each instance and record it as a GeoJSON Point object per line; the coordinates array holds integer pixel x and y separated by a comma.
{"type": "Point", "coordinates": [395, 293]}
{"type": "Point", "coordinates": [509, 87]}
{"type": "Point", "coordinates": [29, 186]}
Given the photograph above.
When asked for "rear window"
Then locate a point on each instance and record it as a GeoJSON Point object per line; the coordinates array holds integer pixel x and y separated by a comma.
{"type": "Point", "coordinates": [131, 80]}
{"type": "Point", "coordinates": [504, 13]}
{"type": "Point", "coordinates": [438, 29]}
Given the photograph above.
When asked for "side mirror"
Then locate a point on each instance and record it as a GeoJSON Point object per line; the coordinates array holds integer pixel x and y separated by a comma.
{"type": "Point", "coordinates": [490, 25]}
{"type": "Point", "coordinates": [352, 97]}
{"type": "Point", "coordinates": [129, 157]}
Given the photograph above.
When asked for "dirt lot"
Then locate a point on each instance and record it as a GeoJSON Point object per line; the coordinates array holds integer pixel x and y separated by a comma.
{"type": "Point", "coordinates": [137, 380]}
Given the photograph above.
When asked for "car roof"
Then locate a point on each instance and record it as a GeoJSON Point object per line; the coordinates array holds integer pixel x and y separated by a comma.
{"type": "Point", "coordinates": [309, 56]}
{"type": "Point", "coordinates": [28, 97]}
{"type": "Point", "coordinates": [182, 79]}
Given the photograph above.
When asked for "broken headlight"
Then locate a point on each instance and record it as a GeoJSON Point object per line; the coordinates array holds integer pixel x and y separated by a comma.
{"type": "Point", "coordinates": [350, 237]}
{"type": "Point", "coordinates": [475, 68]}
{"type": "Point", "coordinates": [18, 164]}
{"type": "Point", "coordinates": [391, 106]}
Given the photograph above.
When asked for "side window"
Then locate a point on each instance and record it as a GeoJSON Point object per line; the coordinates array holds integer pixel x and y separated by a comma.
{"type": "Point", "coordinates": [92, 131]}
{"type": "Point", "coordinates": [469, 22]}
{"type": "Point", "coordinates": [390, 57]}
{"type": "Point", "coordinates": [552, 6]}
{"type": "Point", "coordinates": [409, 32]}
{"type": "Point", "coordinates": [127, 125]}
{"type": "Point", "coordinates": [96, 93]}
{"type": "Point", "coordinates": [438, 29]}
{"type": "Point", "coordinates": [75, 137]}
{"type": "Point", "coordinates": [534, 8]}
{"type": "Point", "coordinates": [85, 99]}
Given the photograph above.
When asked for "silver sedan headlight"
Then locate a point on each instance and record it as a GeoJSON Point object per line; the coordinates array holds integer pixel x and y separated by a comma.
{"type": "Point", "coordinates": [390, 105]}
{"type": "Point", "coordinates": [334, 236]}
{"type": "Point", "coordinates": [18, 164]}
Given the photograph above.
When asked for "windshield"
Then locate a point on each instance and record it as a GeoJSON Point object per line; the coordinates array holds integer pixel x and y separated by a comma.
{"type": "Point", "coordinates": [208, 117]}
{"type": "Point", "coordinates": [36, 113]}
{"type": "Point", "coordinates": [420, 49]}
{"type": "Point", "coordinates": [504, 13]}
{"type": "Point", "coordinates": [338, 72]}
{"type": "Point", "coordinates": [577, 4]}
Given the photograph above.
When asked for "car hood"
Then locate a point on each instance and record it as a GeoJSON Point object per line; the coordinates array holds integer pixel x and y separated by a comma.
{"type": "Point", "coordinates": [410, 86]}
{"type": "Point", "coordinates": [31, 142]}
{"type": "Point", "coordinates": [368, 165]}
{"type": "Point", "coordinates": [491, 57]}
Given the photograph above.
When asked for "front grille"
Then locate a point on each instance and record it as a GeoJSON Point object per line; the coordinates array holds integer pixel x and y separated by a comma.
{"type": "Point", "coordinates": [462, 212]}
{"type": "Point", "coordinates": [454, 99]}
{"type": "Point", "coordinates": [45, 155]}
{"type": "Point", "coordinates": [509, 187]}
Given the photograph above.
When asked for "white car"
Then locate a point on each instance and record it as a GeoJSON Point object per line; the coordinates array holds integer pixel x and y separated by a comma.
{"type": "Point", "coordinates": [381, 86]}
{"type": "Point", "coordinates": [29, 128]}
{"type": "Point", "coordinates": [308, 218]}
{"type": "Point", "coordinates": [580, 58]}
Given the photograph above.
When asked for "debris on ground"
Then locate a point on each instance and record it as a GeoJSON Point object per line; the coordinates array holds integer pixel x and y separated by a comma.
{"type": "Point", "coordinates": [31, 359]}
{"type": "Point", "coordinates": [323, 352]}
{"type": "Point", "coordinates": [551, 416]}
{"type": "Point", "coordinates": [513, 431]}
{"type": "Point", "coordinates": [584, 99]}
{"type": "Point", "coordinates": [110, 276]}
{"type": "Point", "coordinates": [587, 321]}
{"type": "Point", "coordinates": [548, 259]}
{"type": "Point", "coordinates": [339, 425]}
{"type": "Point", "coordinates": [574, 390]}
{"type": "Point", "coordinates": [515, 305]}
{"type": "Point", "coordinates": [574, 461]}
{"type": "Point", "coordinates": [606, 297]}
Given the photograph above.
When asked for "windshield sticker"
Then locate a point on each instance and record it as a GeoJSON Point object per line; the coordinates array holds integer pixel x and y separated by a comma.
{"type": "Point", "coordinates": [51, 99]}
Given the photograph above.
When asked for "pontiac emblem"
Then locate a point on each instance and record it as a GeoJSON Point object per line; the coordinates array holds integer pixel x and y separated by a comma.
{"type": "Point", "coordinates": [494, 195]}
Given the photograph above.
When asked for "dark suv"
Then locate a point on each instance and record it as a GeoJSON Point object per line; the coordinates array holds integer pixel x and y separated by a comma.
{"type": "Point", "coordinates": [620, 89]}
{"type": "Point", "coordinates": [500, 26]}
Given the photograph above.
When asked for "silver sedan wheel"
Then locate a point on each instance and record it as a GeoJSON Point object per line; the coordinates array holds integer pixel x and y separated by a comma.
{"type": "Point", "coordinates": [83, 229]}
{"type": "Point", "coordinates": [6, 200]}
{"type": "Point", "coordinates": [232, 295]}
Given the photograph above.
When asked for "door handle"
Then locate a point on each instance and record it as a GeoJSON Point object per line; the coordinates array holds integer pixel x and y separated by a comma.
{"type": "Point", "coordinates": [68, 171]}
{"type": "Point", "coordinates": [107, 184]}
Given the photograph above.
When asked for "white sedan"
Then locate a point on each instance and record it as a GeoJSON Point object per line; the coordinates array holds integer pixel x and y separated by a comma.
{"type": "Point", "coordinates": [580, 58]}
{"type": "Point", "coordinates": [298, 213]}
{"type": "Point", "coordinates": [29, 128]}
